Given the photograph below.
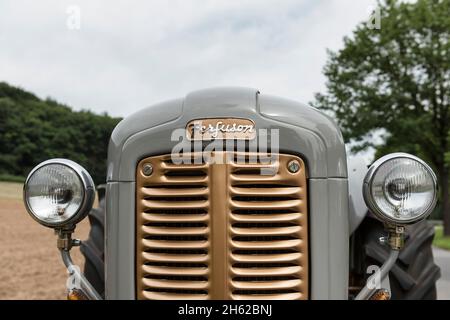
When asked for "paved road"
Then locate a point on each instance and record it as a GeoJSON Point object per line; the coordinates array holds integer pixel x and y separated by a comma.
{"type": "Point", "coordinates": [442, 258]}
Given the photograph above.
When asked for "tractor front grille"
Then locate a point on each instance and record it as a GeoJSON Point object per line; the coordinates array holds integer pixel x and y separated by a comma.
{"type": "Point", "coordinates": [208, 230]}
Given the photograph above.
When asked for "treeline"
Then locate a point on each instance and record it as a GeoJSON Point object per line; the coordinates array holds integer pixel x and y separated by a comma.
{"type": "Point", "coordinates": [33, 130]}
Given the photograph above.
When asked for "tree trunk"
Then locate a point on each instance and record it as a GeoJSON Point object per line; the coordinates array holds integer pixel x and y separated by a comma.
{"type": "Point", "coordinates": [445, 200]}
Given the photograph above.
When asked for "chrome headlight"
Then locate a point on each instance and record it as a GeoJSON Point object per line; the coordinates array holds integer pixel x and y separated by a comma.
{"type": "Point", "coordinates": [400, 188]}
{"type": "Point", "coordinates": [58, 193]}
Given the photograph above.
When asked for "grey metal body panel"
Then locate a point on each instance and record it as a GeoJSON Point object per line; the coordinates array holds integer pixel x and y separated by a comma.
{"type": "Point", "coordinates": [306, 132]}
{"type": "Point", "coordinates": [313, 134]}
{"type": "Point", "coordinates": [329, 238]}
{"type": "Point", "coordinates": [120, 230]}
{"type": "Point", "coordinates": [357, 170]}
{"type": "Point", "coordinates": [301, 115]}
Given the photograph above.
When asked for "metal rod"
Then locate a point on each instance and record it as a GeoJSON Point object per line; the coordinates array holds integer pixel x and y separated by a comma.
{"type": "Point", "coordinates": [74, 270]}
{"type": "Point", "coordinates": [367, 292]}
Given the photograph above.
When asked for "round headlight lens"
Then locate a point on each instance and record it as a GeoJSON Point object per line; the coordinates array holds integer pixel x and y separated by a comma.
{"type": "Point", "coordinates": [400, 188]}
{"type": "Point", "coordinates": [57, 192]}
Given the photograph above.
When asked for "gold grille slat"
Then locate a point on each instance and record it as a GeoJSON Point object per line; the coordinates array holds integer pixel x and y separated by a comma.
{"type": "Point", "coordinates": [277, 296]}
{"type": "Point", "coordinates": [261, 272]}
{"type": "Point", "coordinates": [154, 204]}
{"type": "Point", "coordinates": [175, 284]}
{"type": "Point", "coordinates": [180, 258]}
{"type": "Point", "coordinates": [287, 204]}
{"type": "Point", "coordinates": [182, 192]}
{"type": "Point", "coordinates": [280, 244]}
{"type": "Point", "coordinates": [240, 179]}
{"type": "Point", "coordinates": [175, 231]}
{"type": "Point", "coordinates": [267, 285]}
{"type": "Point", "coordinates": [266, 231]}
{"type": "Point", "coordinates": [254, 166]}
{"type": "Point", "coordinates": [214, 231]}
{"type": "Point", "coordinates": [261, 258]}
{"type": "Point", "coordinates": [168, 166]}
{"type": "Point", "coordinates": [166, 244]}
{"type": "Point", "coordinates": [281, 217]}
{"type": "Point", "coordinates": [155, 270]}
{"type": "Point", "coordinates": [148, 217]}
{"type": "Point", "coordinates": [260, 192]}
{"type": "Point", "coordinates": [184, 180]}
{"type": "Point", "coordinates": [173, 296]}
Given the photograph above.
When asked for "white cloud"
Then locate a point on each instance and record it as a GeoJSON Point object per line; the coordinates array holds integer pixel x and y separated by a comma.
{"type": "Point", "coordinates": [129, 54]}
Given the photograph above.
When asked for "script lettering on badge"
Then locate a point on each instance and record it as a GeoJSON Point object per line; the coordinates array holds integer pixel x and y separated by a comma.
{"type": "Point", "coordinates": [211, 129]}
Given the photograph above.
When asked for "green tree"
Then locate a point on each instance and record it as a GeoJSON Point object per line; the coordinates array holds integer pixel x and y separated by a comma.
{"type": "Point", "coordinates": [397, 78]}
{"type": "Point", "coordinates": [33, 130]}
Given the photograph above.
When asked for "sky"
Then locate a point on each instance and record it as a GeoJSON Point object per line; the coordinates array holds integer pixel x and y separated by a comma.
{"type": "Point", "coordinates": [120, 56]}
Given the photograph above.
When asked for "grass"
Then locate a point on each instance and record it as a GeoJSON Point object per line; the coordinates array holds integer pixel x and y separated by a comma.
{"type": "Point", "coordinates": [439, 240]}
{"type": "Point", "coordinates": [11, 190]}
{"type": "Point", "coordinates": [11, 178]}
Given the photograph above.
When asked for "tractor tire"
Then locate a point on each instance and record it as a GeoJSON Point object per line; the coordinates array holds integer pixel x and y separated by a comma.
{"type": "Point", "coordinates": [93, 249]}
{"type": "Point", "coordinates": [414, 275]}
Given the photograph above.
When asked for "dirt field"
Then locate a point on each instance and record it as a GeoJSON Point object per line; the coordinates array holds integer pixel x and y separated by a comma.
{"type": "Point", "coordinates": [30, 266]}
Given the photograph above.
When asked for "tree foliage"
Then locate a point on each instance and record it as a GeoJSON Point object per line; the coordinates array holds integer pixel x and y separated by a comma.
{"type": "Point", "coordinates": [33, 130]}
{"type": "Point", "coordinates": [396, 78]}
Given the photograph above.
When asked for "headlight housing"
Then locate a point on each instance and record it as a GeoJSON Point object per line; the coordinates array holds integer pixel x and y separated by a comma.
{"type": "Point", "coordinates": [58, 193]}
{"type": "Point", "coordinates": [400, 188]}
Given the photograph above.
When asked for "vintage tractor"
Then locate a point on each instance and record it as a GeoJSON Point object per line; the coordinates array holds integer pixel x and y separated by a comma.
{"type": "Point", "coordinates": [228, 193]}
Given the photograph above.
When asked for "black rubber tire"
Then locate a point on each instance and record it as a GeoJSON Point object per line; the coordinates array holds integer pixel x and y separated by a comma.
{"type": "Point", "coordinates": [93, 249]}
{"type": "Point", "coordinates": [415, 274]}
